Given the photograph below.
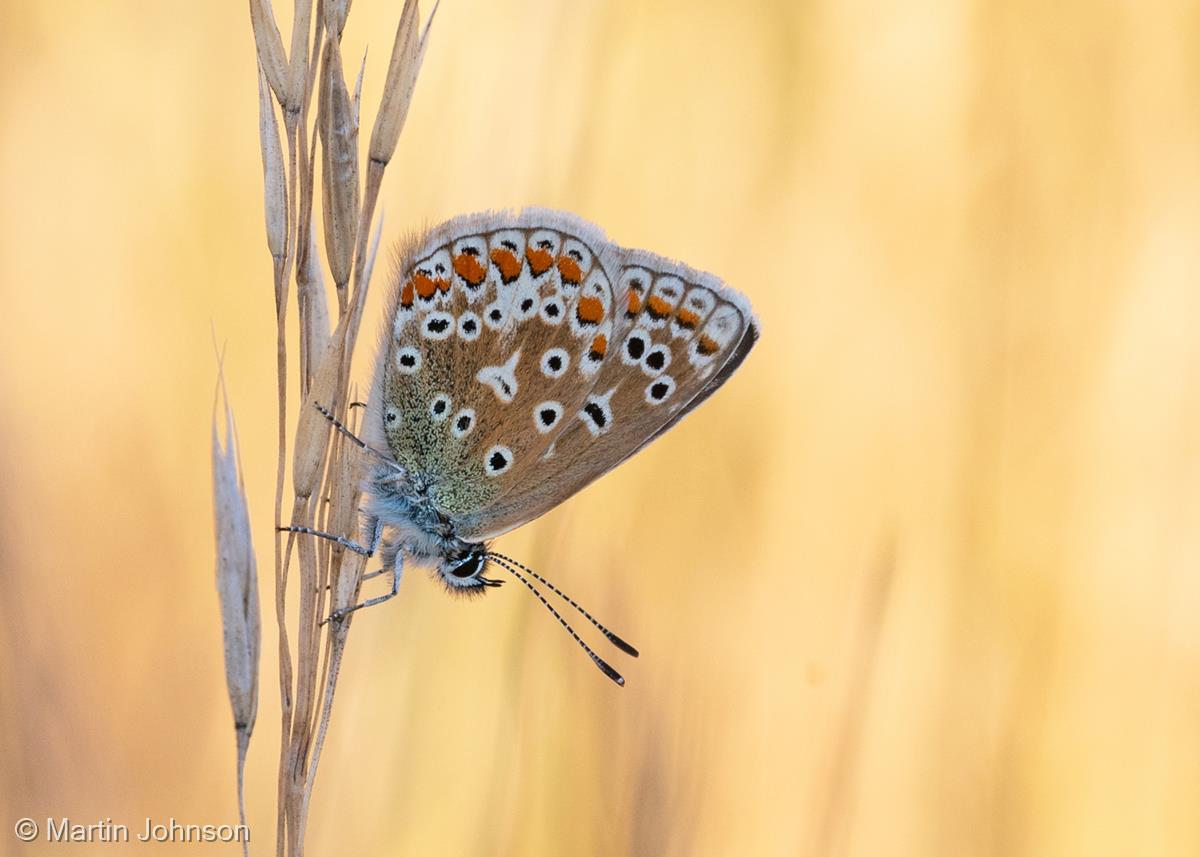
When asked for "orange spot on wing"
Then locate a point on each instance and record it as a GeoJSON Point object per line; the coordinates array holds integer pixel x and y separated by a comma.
{"type": "Point", "coordinates": [599, 346]}
{"type": "Point", "coordinates": [406, 294]}
{"type": "Point", "coordinates": [570, 270]}
{"type": "Point", "coordinates": [635, 303]}
{"type": "Point", "coordinates": [659, 308]}
{"type": "Point", "coordinates": [425, 286]}
{"type": "Point", "coordinates": [443, 284]}
{"type": "Point", "coordinates": [590, 310]}
{"type": "Point", "coordinates": [470, 269]}
{"type": "Point", "coordinates": [508, 263]}
{"type": "Point", "coordinates": [687, 319]}
{"type": "Point", "coordinates": [539, 260]}
{"type": "Point", "coordinates": [707, 345]}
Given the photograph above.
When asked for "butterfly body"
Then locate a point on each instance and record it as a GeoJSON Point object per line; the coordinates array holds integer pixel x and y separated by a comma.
{"type": "Point", "coordinates": [523, 356]}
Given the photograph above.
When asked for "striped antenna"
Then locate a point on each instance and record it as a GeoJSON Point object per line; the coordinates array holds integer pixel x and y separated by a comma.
{"type": "Point", "coordinates": [612, 638]}
{"type": "Point", "coordinates": [596, 659]}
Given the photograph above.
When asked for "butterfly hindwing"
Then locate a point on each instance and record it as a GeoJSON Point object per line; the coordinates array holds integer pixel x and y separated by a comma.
{"type": "Point", "coordinates": [676, 335]}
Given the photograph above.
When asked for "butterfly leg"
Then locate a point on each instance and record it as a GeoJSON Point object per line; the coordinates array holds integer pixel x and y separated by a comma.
{"type": "Point", "coordinates": [368, 551]}
{"type": "Point", "coordinates": [392, 563]}
{"type": "Point", "coordinates": [396, 566]}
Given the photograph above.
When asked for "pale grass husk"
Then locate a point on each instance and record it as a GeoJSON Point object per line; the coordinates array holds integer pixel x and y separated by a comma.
{"type": "Point", "coordinates": [326, 470]}
{"type": "Point", "coordinates": [339, 165]}
{"type": "Point", "coordinates": [237, 586]}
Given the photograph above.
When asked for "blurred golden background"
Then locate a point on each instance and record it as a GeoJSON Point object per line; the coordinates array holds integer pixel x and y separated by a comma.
{"type": "Point", "coordinates": [921, 580]}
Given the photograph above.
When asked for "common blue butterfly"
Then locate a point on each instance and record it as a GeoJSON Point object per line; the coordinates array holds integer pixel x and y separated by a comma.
{"type": "Point", "coordinates": [524, 355]}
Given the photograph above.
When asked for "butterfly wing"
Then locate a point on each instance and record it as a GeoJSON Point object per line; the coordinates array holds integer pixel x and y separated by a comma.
{"type": "Point", "coordinates": [527, 356]}
{"type": "Point", "coordinates": [673, 336]}
{"type": "Point", "coordinates": [493, 321]}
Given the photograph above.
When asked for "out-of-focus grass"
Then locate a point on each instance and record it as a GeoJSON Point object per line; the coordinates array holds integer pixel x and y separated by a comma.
{"type": "Point", "coordinates": [970, 233]}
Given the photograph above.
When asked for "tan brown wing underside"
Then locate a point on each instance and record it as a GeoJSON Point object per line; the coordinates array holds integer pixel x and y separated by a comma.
{"type": "Point", "coordinates": [527, 356]}
{"type": "Point", "coordinates": [678, 335]}
{"type": "Point", "coordinates": [498, 326]}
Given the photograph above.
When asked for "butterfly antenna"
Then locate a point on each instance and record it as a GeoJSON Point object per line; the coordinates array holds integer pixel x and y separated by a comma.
{"type": "Point", "coordinates": [612, 638]}
{"type": "Point", "coordinates": [599, 661]}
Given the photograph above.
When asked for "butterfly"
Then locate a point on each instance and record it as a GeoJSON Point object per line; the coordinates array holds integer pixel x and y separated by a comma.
{"type": "Point", "coordinates": [524, 355]}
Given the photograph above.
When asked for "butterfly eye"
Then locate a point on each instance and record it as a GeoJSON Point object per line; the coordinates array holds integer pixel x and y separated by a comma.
{"type": "Point", "coordinates": [467, 567]}
{"type": "Point", "coordinates": [464, 574]}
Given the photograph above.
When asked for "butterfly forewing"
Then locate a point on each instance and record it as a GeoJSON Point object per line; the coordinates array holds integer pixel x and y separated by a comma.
{"type": "Point", "coordinates": [527, 356]}
{"type": "Point", "coordinates": [487, 352]}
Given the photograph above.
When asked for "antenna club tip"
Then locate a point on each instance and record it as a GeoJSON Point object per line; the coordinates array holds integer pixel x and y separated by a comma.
{"type": "Point", "coordinates": [621, 644]}
{"type": "Point", "coordinates": [609, 671]}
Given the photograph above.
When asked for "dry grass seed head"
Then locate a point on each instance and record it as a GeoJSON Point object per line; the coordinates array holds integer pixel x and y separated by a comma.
{"type": "Point", "coordinates": [405, 64]}
{"type": "Point", "coordinates": [274, 188]}
{"type": "Point", "coordinates": [237, 574]}
{"type": "Point", "coordinates": [312, 428]}
{"type": "Point", "coordinates": [269, 46]}
{"type": "Point", "coordinates": [338, 123]}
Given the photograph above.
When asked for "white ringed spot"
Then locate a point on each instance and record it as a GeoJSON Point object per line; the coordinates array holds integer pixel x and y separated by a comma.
{"type": "Point", "coordinates": [555, 362]}
{"type": "Point", "coordinates": [660, 389]}
{"type": "Point", "coordinates": [525, 304]}
{"type": "Point", "coordinates": [656, 360]}
{"type": "Point", "coordinates": [497, 460]}
{"type": "Point", "coordinates": [552, 310]}
{"type": "Point", "coordinates": [439, 408]}
{"type": "Point", "coordinates": [635, 347]}
{"type": "Point", "coordinates": [546, 416]}
{"type": "Point", "coordinates": [437, 325]}
{"type": "Point", "coordinates": [469, 326]}
{"type": "Point", "coordinates": [408, 360]}
{"type": "Point", "coordinates": [597, 413]}
{"type": "Point", "coordinates": [494, 315]}
{"type": "Point", "coordinates": [462, 423]}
